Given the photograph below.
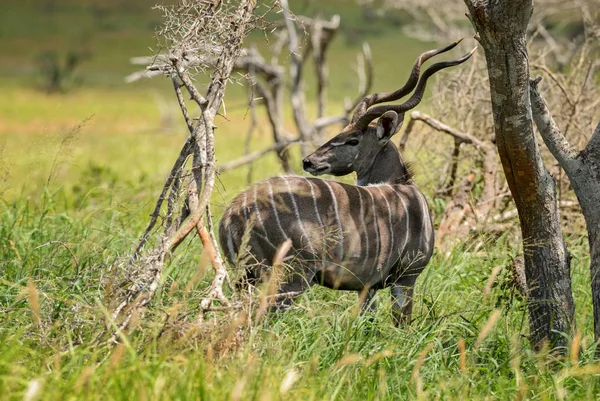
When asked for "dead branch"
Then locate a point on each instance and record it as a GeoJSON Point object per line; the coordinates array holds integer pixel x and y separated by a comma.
{"type": "Point", "coordinates": [253, 120]}
{"type": "Point", "coordinates": [175, 171]}
{"type": "Point", "coordinates": [461, 137]}
{"type": "Point", "coordinates": [306, 132]}
{"type": "Point", "coordinates": [365, 83]}
{"type": "Point", "coordinates": [252, 157]}
{"type": "Point", "coordinates": [270, 89]}
{"type": "Point", "coordinates": [321, 36]}
{"type": "Point", "coordinates": [270, 78]}
{"type": "Point", "coordinates": [456, 210]}
{"type": "Point", "coordinates": [215, 291]}
{"type": "Point", "coordinates": [266, 79]}
{"type": "Point", "coordinates": [460, 209]}
{"type": "Point", "coordinates": [144, 273]}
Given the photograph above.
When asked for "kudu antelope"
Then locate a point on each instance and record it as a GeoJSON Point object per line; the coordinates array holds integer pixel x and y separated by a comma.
{"type": "Point", "coordinates": [361, 237]}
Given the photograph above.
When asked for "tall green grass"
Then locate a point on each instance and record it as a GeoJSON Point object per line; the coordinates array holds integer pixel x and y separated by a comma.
{"type": "Point", "coordinates": [52, 296]}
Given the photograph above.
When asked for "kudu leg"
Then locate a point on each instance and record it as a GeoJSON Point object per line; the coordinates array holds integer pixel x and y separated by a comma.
{"type": "Point", "coordinates": [289, 290]}
{"type": "Point", "coordinates": [402, 301]}
{"type": "Point", "coordinates": [368, 304]}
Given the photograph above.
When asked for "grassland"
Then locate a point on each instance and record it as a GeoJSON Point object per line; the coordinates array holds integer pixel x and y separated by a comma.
{"type": "Point", "coordinates": [79, 173]}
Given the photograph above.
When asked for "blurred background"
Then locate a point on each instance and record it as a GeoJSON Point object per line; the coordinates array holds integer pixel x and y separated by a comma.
{"type": "Point", "coordinates": [69, 121]}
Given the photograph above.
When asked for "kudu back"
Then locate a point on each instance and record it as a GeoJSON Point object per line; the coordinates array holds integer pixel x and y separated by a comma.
{"type": "Point", "coordinates": [362, 237]}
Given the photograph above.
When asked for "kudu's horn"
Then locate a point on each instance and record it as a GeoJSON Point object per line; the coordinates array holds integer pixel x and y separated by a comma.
{"type": "Point", "coordinates": [374, 112]}
{"type": "Point", "coordinates": [410, 84]}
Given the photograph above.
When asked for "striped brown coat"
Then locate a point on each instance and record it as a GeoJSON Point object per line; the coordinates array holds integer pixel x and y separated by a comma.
{"type": "Point", "coordinates": [345, 236]}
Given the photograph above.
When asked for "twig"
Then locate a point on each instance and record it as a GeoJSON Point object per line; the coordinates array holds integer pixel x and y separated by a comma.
{"type": "Point", "coordinates": [462, 137]}
{"type": "Point", "coordinates": [296, 68]}
{"type": "Point", "coordinates": [179, 162]}
{"type": "Point", "coordinates": [277, 147]}
{"type": "Point", "coordinates": [64, 246]}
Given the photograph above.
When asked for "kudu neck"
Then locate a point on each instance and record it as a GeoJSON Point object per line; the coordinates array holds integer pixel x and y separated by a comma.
{"type": "Point", "coordinates": [387, 167]}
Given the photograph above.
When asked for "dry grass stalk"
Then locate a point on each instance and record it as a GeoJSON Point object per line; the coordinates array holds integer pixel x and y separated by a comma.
{"type": "Point", "coordinates": [462, 355]}
{"type": "Point", "coordinates": [415, 376]}
{"type": "Point", "coordinates": [238, 389]}
{"type": "Point", "coordinates": [575, 349]}
{"type": "Point", "coordinates": [288, 381]}
{"type": "Point", "coordinates": [490, 283]}
{"type": "Point", "coordinates": [378, 356]}
{"type": "Point", "coordinates": [487, 327]}
{"type": "Point", "coordinates": [34, 389]}
{"type": "Point", "coordinates": [276, 277]}
{"type": "Point", "coordinates": [515, 364]}
{"type": "Point", "coordinates": [34, 303]}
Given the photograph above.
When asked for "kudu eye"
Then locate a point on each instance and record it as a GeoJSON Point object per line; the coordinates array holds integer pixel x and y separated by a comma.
{"type": "Point", "coordinates": [352, 142]}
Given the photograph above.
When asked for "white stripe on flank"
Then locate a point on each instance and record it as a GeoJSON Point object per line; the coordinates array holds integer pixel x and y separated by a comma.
{"type": "Point", "coordinates": [244, 199]}
{"type": "Point", "coordinates": [321, 242]}
{"type": "Point", "coordinates": [312, 192]}
{"type": "Point", "coordinates": [275, 211]}
{"type": "Point", "coordinates": [376, 228]}
{"type": "Point", "coordinates": [337, 219]}
{"type": "Point", "coordinates": [425, 210]}
{"type": "Point", "coordinates": [407, 219]}
{"type": "Point", "coordinates": [263, 237]}
{"type": "Point", "coordinates": [364, 228]}
{"type": "Point", "coordinates": [297, 213]}
{"type": "Point", "coordinates": [390, 223]}
{"type": "Point", "coordinates": [230, 246]}
{"type": "Point", "coordinates": [257, 212]}
{"type": "Point", "coordinates": [260, 221]}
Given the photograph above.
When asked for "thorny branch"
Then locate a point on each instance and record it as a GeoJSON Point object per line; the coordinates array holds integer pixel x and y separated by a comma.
{"type": "Point", "coordinates": [201, 36]}
{"type": "Point", "coordinates": [267, 79]}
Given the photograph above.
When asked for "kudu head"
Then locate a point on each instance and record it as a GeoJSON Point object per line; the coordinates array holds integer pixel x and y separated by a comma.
{"type": "Point", "coordinates": [356, 148]}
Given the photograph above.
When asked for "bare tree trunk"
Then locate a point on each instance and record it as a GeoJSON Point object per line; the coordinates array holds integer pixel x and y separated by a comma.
{"type": "Point", "coordinates": [595, 273]}
{"type": "Point", "coordinates": [501, 30]}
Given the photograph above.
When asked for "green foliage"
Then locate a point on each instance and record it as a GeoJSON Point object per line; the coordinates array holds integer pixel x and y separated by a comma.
{"type": "Point", "coordinates": [320, 349]}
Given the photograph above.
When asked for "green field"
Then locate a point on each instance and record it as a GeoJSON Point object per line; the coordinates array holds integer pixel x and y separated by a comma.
{"type": "Point", "coordinates": [79, 173]}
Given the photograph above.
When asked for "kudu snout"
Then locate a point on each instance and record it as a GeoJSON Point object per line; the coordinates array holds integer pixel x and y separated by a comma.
{"type": "Point", "coordinates": [315, 165]}
{"type": "Point", "coordinates": [307, 165]}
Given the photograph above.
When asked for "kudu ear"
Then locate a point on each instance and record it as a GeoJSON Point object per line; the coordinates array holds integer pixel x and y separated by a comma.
{"type": "Point", "coordinates": [388, 124]}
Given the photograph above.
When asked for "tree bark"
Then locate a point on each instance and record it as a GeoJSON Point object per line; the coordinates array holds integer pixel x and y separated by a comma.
{"type": "Point", "coordinates": [501, 30]}
{"type": "Point", "coordinates": [583, 170]}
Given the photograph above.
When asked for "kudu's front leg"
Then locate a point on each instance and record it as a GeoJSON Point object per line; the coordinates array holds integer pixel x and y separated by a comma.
{"type": "Point", "coordinates": [368, 302]}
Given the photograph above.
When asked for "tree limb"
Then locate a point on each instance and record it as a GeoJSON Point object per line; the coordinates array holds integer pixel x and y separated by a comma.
{"type": "Point", "coordinates": [296, 68]}
{"type": "Point", "coordinates": [183, 155]}
{"type": "Point", "coordinates": [249, 158]}
{"type": "Point", "coordinates": [553, 137]}
{"type": "Point", "coordinates": [462, 137]}
{"type": "Point", "coordinates": [593, 146]}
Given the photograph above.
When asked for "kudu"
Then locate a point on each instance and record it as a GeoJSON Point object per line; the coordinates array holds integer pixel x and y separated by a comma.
{"type": "Point", "coordinates": [361, 237]}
